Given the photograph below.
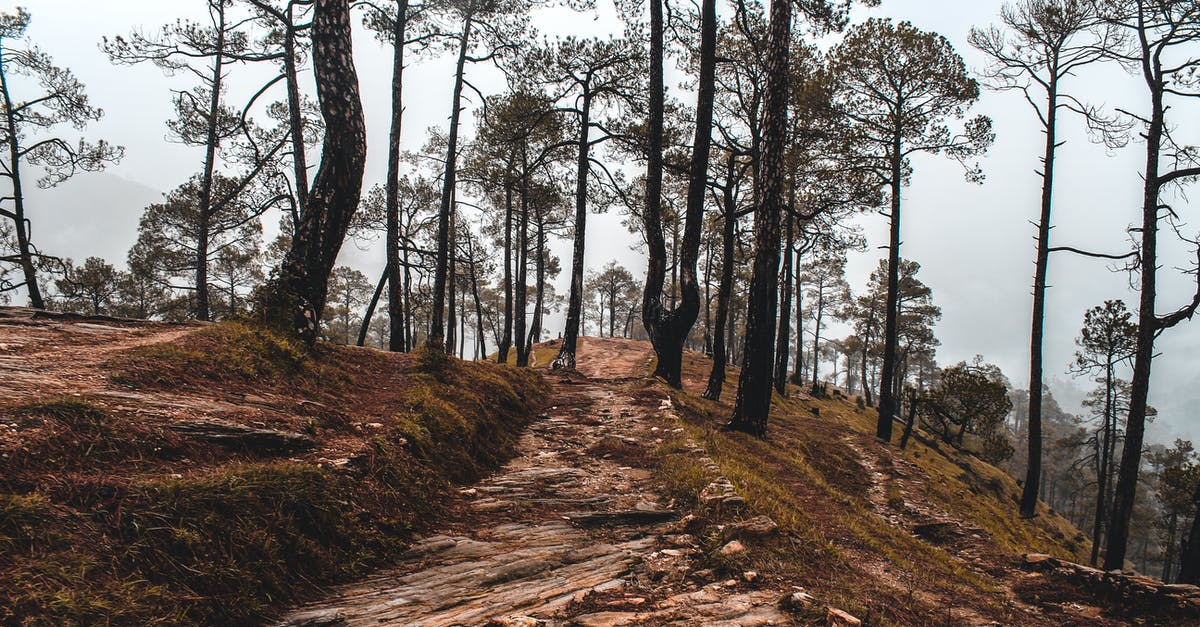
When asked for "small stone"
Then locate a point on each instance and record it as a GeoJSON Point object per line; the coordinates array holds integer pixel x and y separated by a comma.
{"type": "Point", "coordinates": [317, 618]}
{"type": "Point", "coordinates": [750, 576]}
{"type": "Point", "coordinates": [1039, 559]}
{"type": "Point", "coordinates": [757, 527]}
{"type": "Point", "coordinates": [797, 601]}
{"type": "Point", "coordinates": [468, 492]}
{"type": "Point", "coordinates": [733, 548]}
{"type": "Point", "coordinates": [729, 583]}
{"type": "Point", "coordinates": [838, 618]}
{"type": "Point", "coordinates": [515, 621]}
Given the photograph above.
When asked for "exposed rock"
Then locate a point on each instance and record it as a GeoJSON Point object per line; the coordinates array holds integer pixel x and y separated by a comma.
{"type": "Point", "coordinates": [757, 527]}
{"type": "Point", "coordinates": [623, 517]}
{"type": "Point", "coordinates": [515, 621]}
{"type": "Point", "coordinates": [240, 437]}
{"type": "Point", "coordinates": [732, 548]}
{"type": "Point", "coordinates": [797, 601]}
{"type": "Point", "coordinates": [331, 617]}
{"type": "Point", "coordinates": [838, 618]}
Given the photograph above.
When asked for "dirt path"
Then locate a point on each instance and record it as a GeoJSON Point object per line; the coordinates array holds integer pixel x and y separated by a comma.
{"type": "Point", "coordinates": [570, 532]}
{"type": "Point", "coordinates": [43, 355]}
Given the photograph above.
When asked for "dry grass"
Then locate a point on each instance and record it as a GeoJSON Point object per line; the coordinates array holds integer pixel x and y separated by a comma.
{"type": "Point", "coordinates": [812, 477]}
{"type": "Point", "coordinates": [108, 517]}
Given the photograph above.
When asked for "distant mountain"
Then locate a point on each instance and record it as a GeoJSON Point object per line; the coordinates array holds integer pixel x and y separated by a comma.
{"type": "Point", "coordinates": [92, 214]}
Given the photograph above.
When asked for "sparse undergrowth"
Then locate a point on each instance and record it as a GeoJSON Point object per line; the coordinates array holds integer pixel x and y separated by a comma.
{"type": "Point", "coordinates": [809, 476]}
{"type": "Point", "coordinates": [109, 518]}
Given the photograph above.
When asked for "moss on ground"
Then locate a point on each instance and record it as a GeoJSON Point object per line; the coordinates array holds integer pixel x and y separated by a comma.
{"type": "Point", "coordinates": [809, 475]}
{"type": "Point", "coordinates": [189, 537]}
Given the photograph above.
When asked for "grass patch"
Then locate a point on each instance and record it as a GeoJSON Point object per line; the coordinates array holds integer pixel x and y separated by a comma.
{"type": "Point", "coordinates": [229, 354]}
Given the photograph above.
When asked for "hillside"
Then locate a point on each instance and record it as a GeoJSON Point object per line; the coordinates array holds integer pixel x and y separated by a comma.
{"type": "Point", "coordinates": [208, 474]}
{"type": "Point", "coordinates": [215, 474]}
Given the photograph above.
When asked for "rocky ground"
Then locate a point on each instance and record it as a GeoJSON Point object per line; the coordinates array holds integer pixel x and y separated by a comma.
{"type": "Point", "coordinates": [571, 532]}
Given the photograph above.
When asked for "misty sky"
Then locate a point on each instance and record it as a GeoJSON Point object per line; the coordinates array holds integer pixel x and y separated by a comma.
{"type": "Point", "coordinates": [974, 242]}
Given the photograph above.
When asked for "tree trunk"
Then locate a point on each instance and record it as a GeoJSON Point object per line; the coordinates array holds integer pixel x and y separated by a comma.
{"type": "Point", "coordinates": [437, 330]}
{"type": "Point", "coordinates": [452, 278]}
{"type": "Point", "coordinates": [668, 329]}
{"type": "Point", "coordinates": [535, 329]}
{"type": "Point", "coordinates": [302, 284]}
{"type": "Point", "coordinates": [506, 338]}
{"type": "Point", "coordinates": [1148, 328]}
{"type": "Point", "coordinates": [1189, 558]}
{"type": "Point", "coordinates": [887, 403]}
{"type": "Point", "coordinates": [716, 378]}
{"type": "Point", "coordinates": [566, 354]}
{"type": "Point", "coordinates": [755, 384]}
{"type": "Point", "coordinates": [1104, 470]}
{"type": "Point", "coordinates": [24, 247]}
{"type": "Point", "coordinates": [783, 340]}
{"type": "Point", "coordinates": [797, 374]}
{"type": "Point", "coordinates": [1033, 466]}
{"type": "Point", "coordinates": [522, 279]}
{"type": "Point", "coordinates": [396, 339]}
{"type": "Point", "coordinates": [204, 211]}
{"type": "Point", "coordinates": [912, 419]}
{"type": "Point", "coordinates": [366, 321]}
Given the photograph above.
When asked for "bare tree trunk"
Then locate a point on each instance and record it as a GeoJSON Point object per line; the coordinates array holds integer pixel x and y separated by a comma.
{"type": "Point", "coordinates": [24, 247]}
{"type": "Point", "coordinates": [887, 403]}
{"type": "Point", "coordinates": [370, 313]}
{"type": "Point", "coordinates": [522, 280]}
{"type": "Point", "coordinates": [797, 375]}
{"type": "Point", "coordinates": [204, 210]}
{"type": "Point", "coordinates": [566, 354]}
{"type": "Point", "coordinates": [437, 329]}
{"type": "Point", "coordinates": [1033, 466]}
{"type": "Point", "coordinates": [669, 329]}
{"type": "Point", "coordinates": [396, 334]}
{"type": "Point", "coordinates": [506, 338]}
{"type": "Point", "coordinates": [755, 384]}
{"type": "Point", "coordinates": [716, 378]}
{"type": "Point", "coordinates": [785, 311]}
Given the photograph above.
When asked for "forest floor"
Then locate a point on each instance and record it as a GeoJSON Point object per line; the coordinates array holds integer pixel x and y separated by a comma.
{"type": "Point", "coordinates": [591, 524]}
{"type": "Point", "coordinates": [208, 474]}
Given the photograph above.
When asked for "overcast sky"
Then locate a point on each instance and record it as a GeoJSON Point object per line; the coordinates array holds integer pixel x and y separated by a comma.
{"type": "Point", "coordinates": [974, 242]}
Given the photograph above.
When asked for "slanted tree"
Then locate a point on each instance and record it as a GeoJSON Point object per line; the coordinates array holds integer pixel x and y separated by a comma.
{"type": "Point", "coordinates": [899, 88]}
{"type": "Point", "coordinates": [1164, 50]}
{"type": "Point", "coordinates": [297, 294]}
{"type": "Point", "coordinates": [30, 134]}
{"type": "Point", "coordinates": [1051, 40]}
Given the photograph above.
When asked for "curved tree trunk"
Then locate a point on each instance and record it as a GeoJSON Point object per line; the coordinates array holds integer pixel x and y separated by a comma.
{"type": "Point", "coordinates": [302, 283]}
{"type": "Point", "coordinates": [669, 328]}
